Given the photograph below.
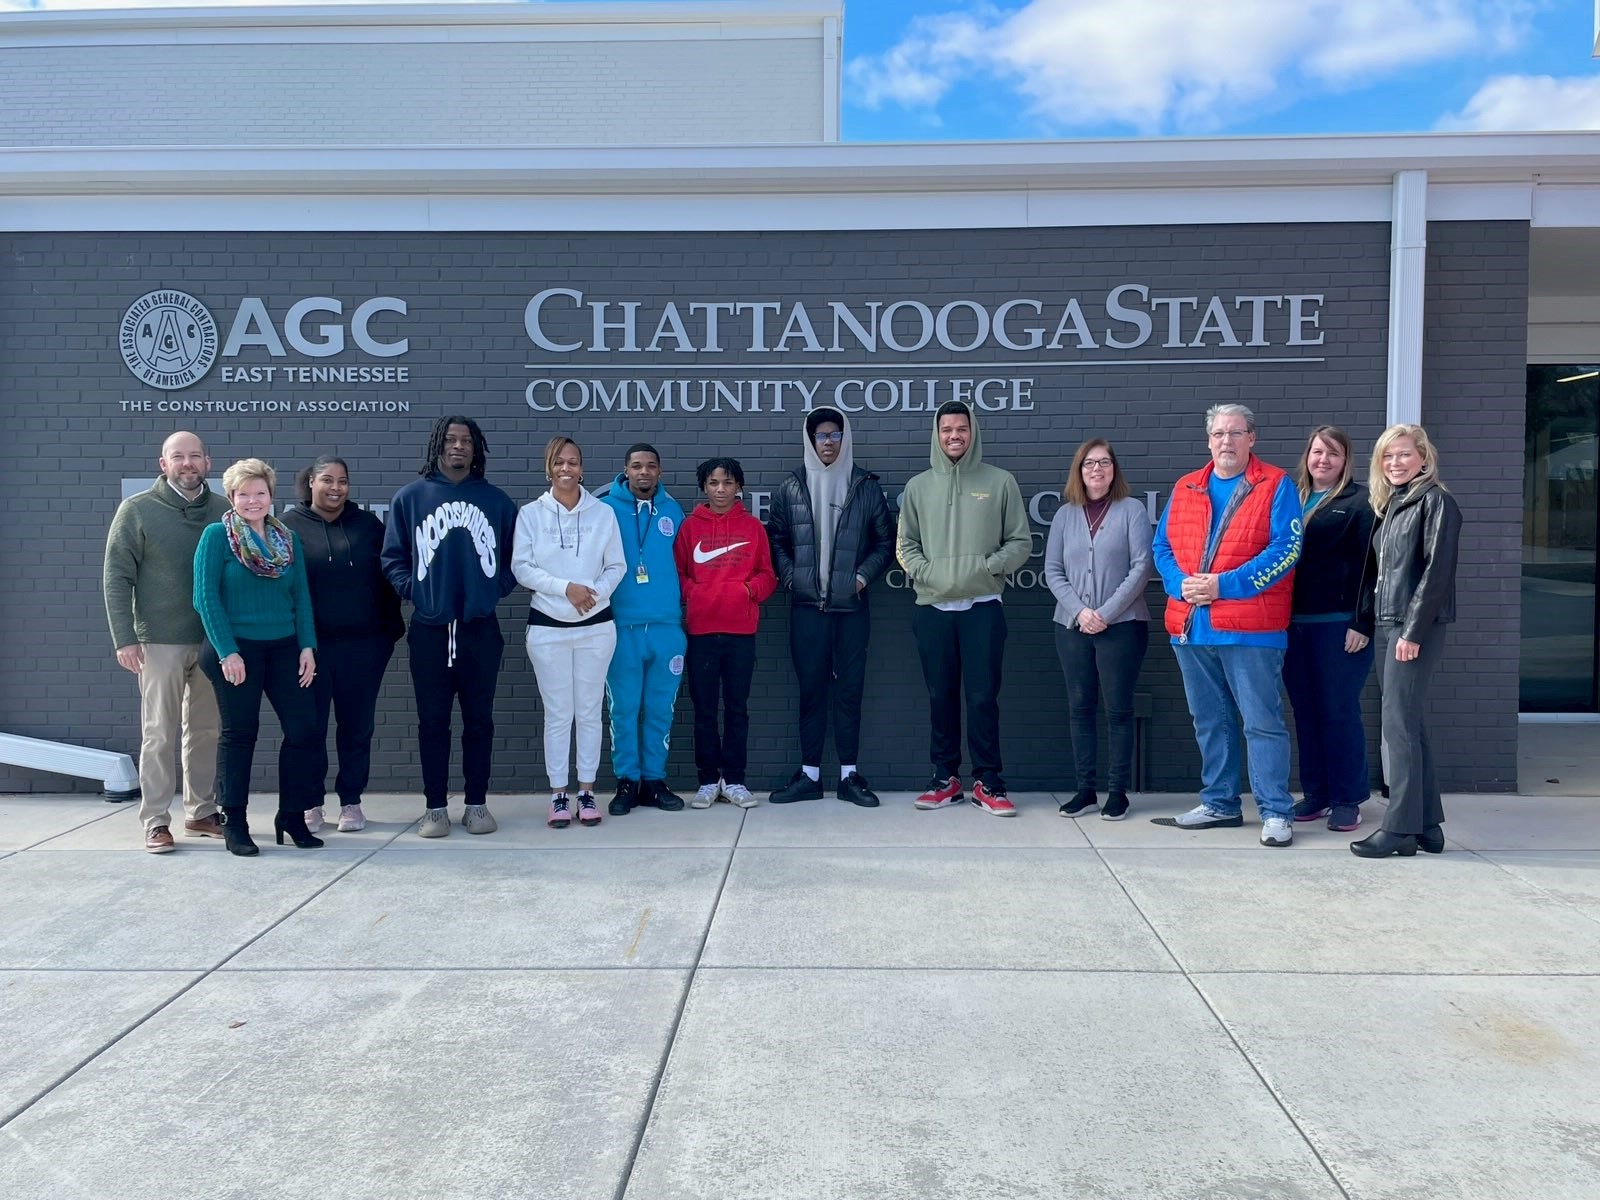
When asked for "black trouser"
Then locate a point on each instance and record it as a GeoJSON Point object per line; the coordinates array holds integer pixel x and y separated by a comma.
{"type": "Point", "coordinates": [1102, 663]}
{"type": "Point", "coordinates": [961, 655]}
{"type": "Point", "coordinates": [1414, 802]}
{"type": "Point", "coordinates": [721, 664]}
{"type": "Point", "coordinates": [829, 649]}
{"type": "Point", "coordinates": [272, 668]}
{"type": "Point", "coordinates": [349, 674]}
{"type": "Point", "coordinates": [438, 681]}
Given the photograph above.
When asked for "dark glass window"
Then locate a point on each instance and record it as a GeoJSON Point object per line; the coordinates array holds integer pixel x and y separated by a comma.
{"type": "Point", "coordinates": [1559, 524]}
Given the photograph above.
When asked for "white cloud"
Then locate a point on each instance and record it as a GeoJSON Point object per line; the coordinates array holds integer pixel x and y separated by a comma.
{"type": "Point", "coordinates": [1520, 102]}
{"type": "Point", "coordinates": [1159, 64]}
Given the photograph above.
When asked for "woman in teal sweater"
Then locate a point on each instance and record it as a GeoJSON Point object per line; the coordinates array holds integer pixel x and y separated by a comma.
{"type": "Point", "coordinates": [251, 593]}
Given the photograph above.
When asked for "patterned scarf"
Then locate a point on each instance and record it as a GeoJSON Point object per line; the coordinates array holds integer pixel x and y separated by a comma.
{"type": "Point", "coordinates": [268, 559]}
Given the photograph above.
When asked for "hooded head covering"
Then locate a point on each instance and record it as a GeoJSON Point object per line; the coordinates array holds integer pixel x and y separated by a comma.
{"type": "Point", "coordinates": [829, 486]}
{"type": "Point", "coordinates": [937, 458]}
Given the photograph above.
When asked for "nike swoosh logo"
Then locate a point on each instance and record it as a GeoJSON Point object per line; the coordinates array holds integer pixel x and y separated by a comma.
{"type": "Point", "coordinates": [705, 556]}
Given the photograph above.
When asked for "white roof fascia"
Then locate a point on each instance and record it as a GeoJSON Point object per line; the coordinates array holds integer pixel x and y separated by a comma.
{"type": "Point", "coordinates": [1543, 158]}
{"type": "Point", "coordinates": [378, 22]}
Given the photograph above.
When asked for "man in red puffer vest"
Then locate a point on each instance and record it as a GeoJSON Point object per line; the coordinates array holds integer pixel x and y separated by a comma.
{"type": "Point", "coordinates": [1226, 549]}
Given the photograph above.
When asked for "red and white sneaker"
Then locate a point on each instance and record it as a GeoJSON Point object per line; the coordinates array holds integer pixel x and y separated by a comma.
{"type": "Point", "coordinates": [941, 793]}
{"type": "Point", "coordinates": [992, 799]}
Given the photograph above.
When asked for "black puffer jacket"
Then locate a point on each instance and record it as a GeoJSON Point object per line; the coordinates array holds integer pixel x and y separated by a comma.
{"type": "Point", "coordinates": [1333, 557]}
{"type": "Point", "coordinates": [1416, 541]}
{"type": "Point", "coordinates": [862, 543]}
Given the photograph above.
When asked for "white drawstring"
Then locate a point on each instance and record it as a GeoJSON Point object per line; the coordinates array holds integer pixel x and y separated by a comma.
{"type": "Point", "coordinates": [450, 656]}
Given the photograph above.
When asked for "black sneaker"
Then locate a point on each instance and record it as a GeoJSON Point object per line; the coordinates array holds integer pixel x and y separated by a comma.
{"type": "Point", "coordinates": [1082, 802]}
{"type": "Point", "coordinates": [1115, 807]}
{"type": "Point", "coordinates": [800, 787]}
{"type": "Point", "coordinates": [657, 794]}
{"type": "Point", "coordinates": [853, 787]}
{"type": "Point", "coordinates": [627, 796]}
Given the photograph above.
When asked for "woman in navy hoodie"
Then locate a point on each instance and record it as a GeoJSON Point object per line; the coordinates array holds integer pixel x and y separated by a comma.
{"type": "Point", "coordinates": [358, 623]}
{"type": "Point", "coordinates": [725, 571]}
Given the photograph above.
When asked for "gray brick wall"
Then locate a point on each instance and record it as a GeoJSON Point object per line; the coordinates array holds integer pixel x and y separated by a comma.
{"type": "Point", "coordinates": [61, 379]}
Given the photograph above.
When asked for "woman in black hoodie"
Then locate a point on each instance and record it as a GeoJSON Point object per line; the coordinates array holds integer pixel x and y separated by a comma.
{"type": "Point", "coordinates": [1329, 658]}
{"type": "Point", "coordinates": [358, 622]}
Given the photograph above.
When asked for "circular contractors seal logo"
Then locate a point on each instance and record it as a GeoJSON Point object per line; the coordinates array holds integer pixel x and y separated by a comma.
{"type": "Point", "coordinates": [168, 339]}
{"type": "Point", "coordinates": [676, 665]}
{"type": "Point", "coordinates": [665, 525]}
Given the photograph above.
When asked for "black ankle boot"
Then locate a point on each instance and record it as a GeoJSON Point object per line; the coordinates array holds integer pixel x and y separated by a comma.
{"type": "Point", "coordinates": [293, 822]}
{"type": "Point", "coordinates": [236, 834]}
{"type": "Point", "coordinates": [1383, 843]}
{"type": "Point", "coordinates": [1431, 840]}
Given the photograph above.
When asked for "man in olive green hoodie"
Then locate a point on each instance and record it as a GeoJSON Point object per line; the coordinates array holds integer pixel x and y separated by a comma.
{"type": "Point", "coordinates": [149, 588]}
{"type": "Point", "coordinates": [963, 529]}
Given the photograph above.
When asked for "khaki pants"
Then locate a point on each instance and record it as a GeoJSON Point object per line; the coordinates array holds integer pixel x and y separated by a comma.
{"type": "Point", "coordinates": [175, 700]}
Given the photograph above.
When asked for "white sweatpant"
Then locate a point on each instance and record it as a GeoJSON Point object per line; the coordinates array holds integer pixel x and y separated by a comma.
{"type": "Point", "coordinates": [571, 665]}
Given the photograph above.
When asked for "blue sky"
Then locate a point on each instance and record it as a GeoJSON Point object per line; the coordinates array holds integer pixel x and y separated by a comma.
{"type": "Point", "coordinates": [919, 70]}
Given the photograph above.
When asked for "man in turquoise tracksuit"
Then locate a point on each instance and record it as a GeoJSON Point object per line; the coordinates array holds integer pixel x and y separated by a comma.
{"type": "Point", "coordinates": [642, 684]}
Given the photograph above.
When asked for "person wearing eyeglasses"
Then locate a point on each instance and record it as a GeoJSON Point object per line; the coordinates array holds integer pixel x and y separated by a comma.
{"type": "Point", "coordinates": [1226, 550]}
{"type": "Point", "coordinates": [831, 538]}
{"type": "Point", "coordinates": [1096, 563]}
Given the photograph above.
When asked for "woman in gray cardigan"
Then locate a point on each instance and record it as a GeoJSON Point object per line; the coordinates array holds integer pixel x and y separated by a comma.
{"type": "Point", "coordinates": [1096, 564]}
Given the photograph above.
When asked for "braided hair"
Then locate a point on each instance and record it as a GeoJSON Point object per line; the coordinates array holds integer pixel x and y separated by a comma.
{"type": "Point", "coordinates": [480, 445]}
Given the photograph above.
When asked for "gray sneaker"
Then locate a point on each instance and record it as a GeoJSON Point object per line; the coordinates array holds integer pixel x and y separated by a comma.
{"type": "Point", "coordinates": [1202, 816]}
{"type": "Point", "coordinates": [435, 823]}
{"type": "Point", "coordinates": [477, 819]}
{"type": "Point", "coordinates": [1277, 831]}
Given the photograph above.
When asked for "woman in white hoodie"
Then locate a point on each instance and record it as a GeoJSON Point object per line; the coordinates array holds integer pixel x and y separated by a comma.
{"type": "Point", "coordinates": [568, 553]}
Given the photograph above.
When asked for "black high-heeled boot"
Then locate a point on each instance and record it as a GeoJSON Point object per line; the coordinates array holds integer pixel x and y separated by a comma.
{"type": "Point", "coordinates": [236, 834]}
{"type": "Point", "coordinates": [1431, 840]}
{"type": "Point", "coordinates": [294, 824]}
{"type": "Point", "coordinates": [1383, 843]}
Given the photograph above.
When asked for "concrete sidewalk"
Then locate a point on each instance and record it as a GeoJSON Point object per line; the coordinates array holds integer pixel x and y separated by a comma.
{"type": "Point", "coordinates": [806, 1003]}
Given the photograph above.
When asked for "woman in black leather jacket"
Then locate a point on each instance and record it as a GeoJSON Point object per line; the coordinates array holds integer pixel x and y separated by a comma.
{"type": "Point", "coordinates": [1413, 601]}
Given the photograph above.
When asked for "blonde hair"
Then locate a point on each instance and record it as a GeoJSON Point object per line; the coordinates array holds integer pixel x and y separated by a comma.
{"type": "Point", "coordinates": [1334, 436]}
{"type": "Point", "coordinates": [243, 471]}
{"type": "Point", "coordinates": [1378, 483]}
{"type": "Point", "coordinates": [554, 447]}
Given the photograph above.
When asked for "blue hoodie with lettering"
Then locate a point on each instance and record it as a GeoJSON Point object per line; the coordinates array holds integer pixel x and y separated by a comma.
{"type": "Point", "coordinates": [648, 528]}
{"type": "Point", "coordinates": [447, 548]}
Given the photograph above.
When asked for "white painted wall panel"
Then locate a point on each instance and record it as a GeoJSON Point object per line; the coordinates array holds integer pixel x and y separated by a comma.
{"type": "Point", "coordinates": [523, 92]}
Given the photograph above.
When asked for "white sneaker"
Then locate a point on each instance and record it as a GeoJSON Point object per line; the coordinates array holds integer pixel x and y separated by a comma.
{"type": "Point", "coordinates": [1276, 831]}
{"type": "Point", "coordinates": [435, 823]}
{"type": "Point", "coordinates": [705, 795]}
{"type": "Point", "coordinates": [314, 818]}
{"type": "Point", "coordinates": [737, 793]}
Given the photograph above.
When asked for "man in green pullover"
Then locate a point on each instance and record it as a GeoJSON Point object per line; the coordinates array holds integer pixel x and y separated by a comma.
{"type": "Point", "coordinates": [963, 529]}
{"type": "Point", "coordinates": [149, 587]}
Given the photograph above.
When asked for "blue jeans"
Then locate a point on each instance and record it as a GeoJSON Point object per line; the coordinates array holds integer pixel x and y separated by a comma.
{"type": "Point", "coordinates": [1325, 684]}
{"type": "Point", "coordinates": [1225, 684]}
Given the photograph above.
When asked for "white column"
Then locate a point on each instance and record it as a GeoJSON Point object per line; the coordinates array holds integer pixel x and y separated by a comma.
{"type": "Point", "coordinates": [1408, 266]}
{"type": "Point", "coordinates": [830, 78]}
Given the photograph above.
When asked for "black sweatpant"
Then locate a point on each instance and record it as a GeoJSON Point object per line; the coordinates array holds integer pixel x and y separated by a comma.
{"type": "Point", "coordinates": [349, 675]}
{"type": "Point", "coordinates": [270, 668]}
{"type": "Point", "coordinates": [961, 656]}
{"type": "Point", "coordinates": [721, 665]}
{"type": "Point", "coordinates": [1095, 663]}
{"type": "Point", "coordinates": [477, 647]}
{"type": "Point", "coordinates": [829, 650]}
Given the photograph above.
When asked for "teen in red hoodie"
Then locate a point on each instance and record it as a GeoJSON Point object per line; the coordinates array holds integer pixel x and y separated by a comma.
{"type": "Point", "coordinates": [725, 570]}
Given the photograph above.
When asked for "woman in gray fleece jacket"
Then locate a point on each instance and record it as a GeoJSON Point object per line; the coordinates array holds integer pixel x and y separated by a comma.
{"type": "Point", "coordinates": [1096, 564]}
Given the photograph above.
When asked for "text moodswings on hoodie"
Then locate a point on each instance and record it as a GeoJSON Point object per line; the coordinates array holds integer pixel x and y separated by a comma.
{"type": "Point", "coordinates": [457, 514]}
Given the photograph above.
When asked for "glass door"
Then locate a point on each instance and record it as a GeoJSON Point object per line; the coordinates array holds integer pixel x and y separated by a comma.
{"type": "Point", "coordinates": [1559, 526]}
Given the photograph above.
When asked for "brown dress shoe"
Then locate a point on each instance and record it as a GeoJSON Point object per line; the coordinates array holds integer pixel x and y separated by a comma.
{"type": "Point", "coordinates": [205, 827]}
{"type": "Point", "coordinates": [159, 840]}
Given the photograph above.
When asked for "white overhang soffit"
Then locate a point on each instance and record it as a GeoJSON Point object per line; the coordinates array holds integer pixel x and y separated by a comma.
{"type": "Point", "coordinates": [1478, 158]}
